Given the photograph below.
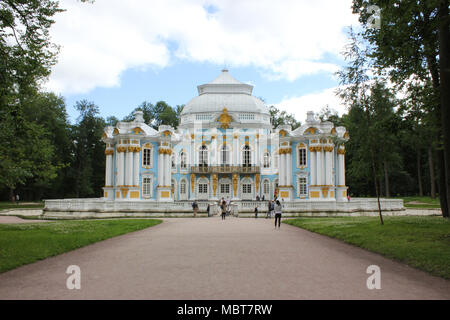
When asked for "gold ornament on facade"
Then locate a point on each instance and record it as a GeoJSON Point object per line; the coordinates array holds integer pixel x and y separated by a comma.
{"type": "Point", "coordinates": [235, 182]}
{"type": "Point", "coordinates": [235, 136]}
{"type": "Point", "coordinates": [257, 136]}
{"type": "Point", "coordinates": [341, 151]}
{"type": "Point", "coordinates": [257, 180]}
{"type": "Point", "coordinates": [121, 149]}
{"type": "Point", "coordinates": [346, 135]}
{"type": "Point", "coordinates": [214, 180]}
{"type": "Point", "coordinates": [310, 131]}
{"type": "Point", "coordinates": [333, 131]}
{"type": "Point", "coordinates": [167, 133]}
{"type": "Point", "coordinates": [283, 133]}
{"type": "Point", "coordinates": [312, 149]}
{"type": "Point", "coordinates": [131, 149]}
{"type": "Point", "coordinates": [192, 181]}
{"type": "Point", "coordinates": [109, 152]}
{"type": "Point", "coordinates": [328, 148]}
{"type": "Point", "coordinates": [225, 119]}
{"type": "Point", "coordinates": [115, 132]}
{"type": "Point", "coordinates": [192, 136]}
{"type": "Point", "coordinates": [137, 130]}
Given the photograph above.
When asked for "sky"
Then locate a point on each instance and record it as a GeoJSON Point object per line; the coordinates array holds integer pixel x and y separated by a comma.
{"type": "Point", "coordinates": [119, 54]}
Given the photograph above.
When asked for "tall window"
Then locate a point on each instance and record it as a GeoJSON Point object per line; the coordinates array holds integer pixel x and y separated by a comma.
{"type": "Point", "coordinates": [276, 158]}
{"type": "Point", "coordinates": [266, 160]}
{"type": "Point", "coordinates": [147, 157]}
{"type": "Point", "coordinates": [266, 187]}
{"type": "Point", "coordinates": [224, 155]}
{"type": "Point", "coordinates": [172, 184]}
{"type": "Point", "coordinates": [302, 187]}
{"type": "Point", "coordinates": [203, 156]}
{"type": "Point", "coordinates": [183, 187]}
{"type": "Point", "coordinates": [302, 157]}
{"type": "Point", "coordinates": [146, 186]}
{"type": "Point", "coordinates": [172, 161]}
{"type": "Point", "coordinates": [183, 160]}
{"type": "Point", "coordinates": [247, 156]}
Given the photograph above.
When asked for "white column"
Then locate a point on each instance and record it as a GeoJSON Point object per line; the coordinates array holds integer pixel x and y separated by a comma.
{"type": "Point", "coordinates": [328, 165]}
{"type": "Point", "coordinates": [160, 169]}
{"type": "Point", "coordinates": [319, 167]}
{"type": "Point", "coordinates": [257, 152]}
{"type": "Point", "coordinates": [289, 169]}
{"type": "Point", "coordinates": [215, 157]}
{"type": "Point", "coordinates": [192, 158]}
{"type": "Point", "coordinates": [136, 168]}
{"type": "Point", "coordinates": [120, 168]}
{"type": "Point", "coordinates": [282, 181]}
{"type": "Point", "coordinates": [167, 173]}
{"type": "Point", "coordinates": [129, 170]}
{"type": "Point", "coordinates": [341, 159]}
{"type": "Point", "coordinates": [235, 151]}
{"type": "Point", "coordinates": [108, 170]}
{"type": "Point", "coordinates": [312, 165]}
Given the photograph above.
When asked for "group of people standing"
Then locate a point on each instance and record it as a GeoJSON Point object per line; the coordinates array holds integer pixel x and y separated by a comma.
{"type": "Point", "coordinates": [273, 208]}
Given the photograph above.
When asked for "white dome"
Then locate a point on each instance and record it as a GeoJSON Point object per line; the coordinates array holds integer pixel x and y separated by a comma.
{"type": "Point", "coordinates": [225, 92]}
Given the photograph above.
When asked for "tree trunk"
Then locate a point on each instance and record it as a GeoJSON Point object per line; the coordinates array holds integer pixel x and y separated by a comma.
{"type": "Point", "coordinates": [386, 180]}
{"type": "Point", "coordinates": [419, 175]}
{"type": "Point", "coordinates": [431, 167]}
{"type": "Point", "coordinates": [11, 195]}
{"type": "Point", "coordinates": [444, 66]}
{"type": "Point", "coordinates": [441, 183]}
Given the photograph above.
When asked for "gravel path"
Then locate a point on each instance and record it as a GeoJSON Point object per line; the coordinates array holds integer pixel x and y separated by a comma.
{"type": "Point", "coordinates": [208, 258]}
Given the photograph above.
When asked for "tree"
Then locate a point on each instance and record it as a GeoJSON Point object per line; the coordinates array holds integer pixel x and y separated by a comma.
{"type": "Point", "coordinates": [87, 173]}
{"type": "Point", "coordinates": [413, 43]}
{"type": "Point", "coordinates": [159, 114]}
{"type": "Point", "coordinates": [278, 118]}
{"type": "Point", "coordinates": [356, 87]}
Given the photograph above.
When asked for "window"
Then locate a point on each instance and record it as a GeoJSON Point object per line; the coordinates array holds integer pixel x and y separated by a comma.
{"type": "Point", "coordinates": [247, 157]}
{"type": "Point", "coordinates": [146, 186]}
{"type": "Point", "coordinates": [172, 161]}
{"type": "Point", "coordinates": [203, 117]}
{"type": "Point", "coordinates": [266, 160]}
{"type": "Point", "coordinates": [302, 187]}
{"type": "Point", "coordinates": [147, 157]}
{"type": "Point", "coordinates": [224, 155]}
{"type": "Point", "coordinates": [203, 156]}
{"type": "Point", "coordinates": [183, 187]}
{"type": "Point", "coordinates": [302, 157]}
{"type": "Point", "coordinates": [225, 188]}
{"type": "Point", "coordinates": [247, 188]}
{"type": "Point", "coordinates": [172, 185]}
{"type": "Point", "coordinates": [203, 188]}
{"type": "Point", "coordinates": [246, 116]}
{"type": "Point", "coordinates": [266, 187]}
{"type": "Point", "coordinates": [183, 160]}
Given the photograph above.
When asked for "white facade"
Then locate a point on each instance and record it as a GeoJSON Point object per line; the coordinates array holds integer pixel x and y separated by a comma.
{"type": "Point", "coordinates": [225, 147]}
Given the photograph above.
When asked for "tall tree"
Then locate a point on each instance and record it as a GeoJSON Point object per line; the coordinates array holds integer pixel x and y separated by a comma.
{"type": "Point", "coordinates": [413, 43]}
{"type": "Point", "coordinates": [278, 118]}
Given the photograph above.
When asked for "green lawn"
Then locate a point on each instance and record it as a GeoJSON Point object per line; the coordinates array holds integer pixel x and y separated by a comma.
{"type": "Point", "coordinates": [22, 205]}
{"type": "Point", "coordinates": [25, 243]}
{"type": "Point", "coordinates": [421, 242]}
{"type": "Point", "coordinates": [421, 202]}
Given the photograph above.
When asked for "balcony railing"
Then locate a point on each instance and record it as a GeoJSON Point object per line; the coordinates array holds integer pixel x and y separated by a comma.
{"type": "Point", "coordinates": [226, 169]}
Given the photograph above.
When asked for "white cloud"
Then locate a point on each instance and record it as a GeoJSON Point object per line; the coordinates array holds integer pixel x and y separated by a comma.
{"type": "Point", "coordinates": [283, 39]}
{"type": "Point", "coordinates": [312, 102]}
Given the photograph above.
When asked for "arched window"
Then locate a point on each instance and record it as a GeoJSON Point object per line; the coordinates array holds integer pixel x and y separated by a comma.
{"type": "Point", "coordinates": [224, 155]}
{"type": "Point", "coordinates": [183, 160]}
{"type": "Point", "coordinates": [246, 157]}
{"type": "Point", "coordinates": [266, 187]}
{"type": "Point", "coordinates": [203, 156]}
{"type": "Point", "coordinates": [266, 160]}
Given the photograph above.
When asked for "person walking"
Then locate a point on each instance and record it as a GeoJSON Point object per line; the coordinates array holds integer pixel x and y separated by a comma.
{"type": "Point", "coordinates": [256, 212]}
{"type": "Point", "coordinates": [207, 210]}
{"type": "Point", "coordinates": [269, 203]}
{"type": "Point", "coordinates": [278, 213]}
{"type": "Point", "coordinates": [17, 199]}
{"type": "Point", "coordinates": [195, 208]}
{"type": "Point", "coordinates": [223, 206]}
